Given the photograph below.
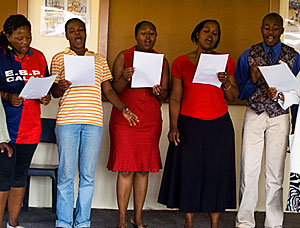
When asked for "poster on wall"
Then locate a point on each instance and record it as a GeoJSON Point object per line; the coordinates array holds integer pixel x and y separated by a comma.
{"type": "Point", "coordinates": [292, 26]}
{"type": "Point", "coordinates": [55, 13]}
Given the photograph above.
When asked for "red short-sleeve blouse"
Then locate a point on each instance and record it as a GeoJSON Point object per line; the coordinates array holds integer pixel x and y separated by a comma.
{"type": "Point", "coordinates": [200, 101]}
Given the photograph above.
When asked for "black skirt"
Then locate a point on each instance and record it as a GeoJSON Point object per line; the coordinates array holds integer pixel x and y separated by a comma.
{"type": "Point", "coordinates": [199, 174]}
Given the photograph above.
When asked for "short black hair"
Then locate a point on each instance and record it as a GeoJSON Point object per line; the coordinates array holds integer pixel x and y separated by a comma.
{"type": "Point", "coordinates": [12, 23]}
{"type": "Point", "coordinates": [74, 19]}
{"type": "Point", "coordinates": [200, 26]}
{"type": "Point", "coordinates": [273, 15]}
{"type": "Point", "coordinates": [139, 25]}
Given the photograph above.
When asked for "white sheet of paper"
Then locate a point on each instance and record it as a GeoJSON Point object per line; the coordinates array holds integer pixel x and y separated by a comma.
{"type": "Point", "coordinates": [148, 68]}
{"type": "Point", "coordinates": [280, 76]}
{"type": "Point", "coordinates": [80, 70]}
{"type": "Point", "coordinates": [37, 87]}
{"type": "Point", "coordinates": [208, 67]}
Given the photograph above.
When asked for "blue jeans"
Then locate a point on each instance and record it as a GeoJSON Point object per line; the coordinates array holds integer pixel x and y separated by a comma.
{"type": "Point", "coordinates": [76, 141]}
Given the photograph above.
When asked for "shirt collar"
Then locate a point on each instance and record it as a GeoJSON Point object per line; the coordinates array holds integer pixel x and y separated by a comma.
{"type": "Point", "coordinates": [69, 51]}
{"type": "Point", "coordinates": [276, 49]}
{"type": "Point", "coordinates": [29, 52]}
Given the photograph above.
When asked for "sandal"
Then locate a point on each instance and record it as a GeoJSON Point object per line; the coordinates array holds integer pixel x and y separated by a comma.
{"type": "Point", "coordinates": [122, 226]}
{"type": "Point", "coordinates": [136, 226]}
{"type": "Point", "coordinates": [9, 226]}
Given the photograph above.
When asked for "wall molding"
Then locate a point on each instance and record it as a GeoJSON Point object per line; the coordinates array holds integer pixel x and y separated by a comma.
{"type": "Point", "coordinates": [22, 7]}
{"type": "Point", "coordinates": [103, 27]}
{"type": "Point", "coordinates": [274, 6]}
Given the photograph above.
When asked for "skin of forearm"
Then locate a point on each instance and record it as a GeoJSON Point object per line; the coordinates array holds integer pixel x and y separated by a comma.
{"type": "Point", "coordinates": [232, 93]}
{"type": "Point", "coordinates": [119, 85]}
{"type": "Point", "coordinates": [4, 96]}
{"type": "Point", "coordinates": [174, 113]}
{"type": "Point", "coordinates": [113, 98]}
{"type": "Point", "coordinates": [163, 95]}
{"type": "Point", "coordinates": [56, 91]}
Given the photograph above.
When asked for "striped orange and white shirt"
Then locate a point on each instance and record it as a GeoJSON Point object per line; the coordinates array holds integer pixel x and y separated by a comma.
{"type": "Point", "coordinates": [81, 104]}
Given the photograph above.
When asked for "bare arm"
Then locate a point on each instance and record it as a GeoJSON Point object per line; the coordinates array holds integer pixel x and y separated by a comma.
{"type": "Point", "coordinates": [61, 85]}
{"type": "Point", "coordinates": [45, 100]}
{"type": "Point", "coordinates": [113, 98]}
{"type": "Point", "coordinates": [58, 89]}
{"type": "Point", "coordinates": [4, 135]}
{"type": "Point", "coordinates": [12, 98]}
{"type": "Point", "coordinates": [121, 76]}
{"type": "Point", "coordinates": [5, 146]}
{"type": "Point", "coordinates": [175, 104]}
{"type": "Point", "coordinates": [229, 85]}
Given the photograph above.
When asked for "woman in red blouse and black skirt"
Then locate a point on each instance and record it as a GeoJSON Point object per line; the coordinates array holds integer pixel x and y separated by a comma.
{"type": "Point", "coordinates": [199, 174]}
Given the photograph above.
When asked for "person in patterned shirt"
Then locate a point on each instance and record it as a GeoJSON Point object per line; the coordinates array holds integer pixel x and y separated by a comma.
{"type": "Point", "coordinates": [266, 124]}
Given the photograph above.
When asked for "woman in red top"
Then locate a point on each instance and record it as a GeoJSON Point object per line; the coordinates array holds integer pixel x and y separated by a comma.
{"type": "Point", "coordinates": [18, 62]}
{"type": "Point", "coordinates": [135, 150]}
{"type": "Point", "coordinates": [199, 174]}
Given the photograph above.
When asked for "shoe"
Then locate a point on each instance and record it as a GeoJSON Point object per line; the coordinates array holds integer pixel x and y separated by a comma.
{"type": "Point", "coordinates": [122, 226]}
{"type": "Point", "coordinates": [9, 226]}
{"type": "Point", "coordinates": [136, 226]}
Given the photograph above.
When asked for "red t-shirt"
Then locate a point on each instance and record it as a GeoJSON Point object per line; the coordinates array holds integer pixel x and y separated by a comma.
{"type": "Point", "coordinates": [200, 101]}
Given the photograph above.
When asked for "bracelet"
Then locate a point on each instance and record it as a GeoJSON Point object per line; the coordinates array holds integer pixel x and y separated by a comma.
{"type": "Point", "coordinates": [278, 97]}
{"type": "Point", "coordinates": [228, 87]}
{"type": "Point", "coordinates": [124, 109]}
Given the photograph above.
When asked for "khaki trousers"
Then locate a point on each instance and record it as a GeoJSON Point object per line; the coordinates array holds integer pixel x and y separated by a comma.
{"type": "Point", "coordinates": [261, 131]}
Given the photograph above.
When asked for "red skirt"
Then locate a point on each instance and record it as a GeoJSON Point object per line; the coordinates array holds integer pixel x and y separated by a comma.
{"type": "Point", "coordinates": [134, 148]}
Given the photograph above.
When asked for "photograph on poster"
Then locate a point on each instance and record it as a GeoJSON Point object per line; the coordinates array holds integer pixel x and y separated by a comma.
{"type": "Point", "coordinates": [54, 25]}
{"type": "Point", "coordinates": [77, 6]}
{"type": "Point", "coordinates": [55, 13]}
{"type": "Point", "coordinates": [59, 4]}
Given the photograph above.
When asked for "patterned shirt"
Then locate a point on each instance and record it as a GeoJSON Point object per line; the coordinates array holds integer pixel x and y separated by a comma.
{"type": "Point", "coordinates": [81, 104]}
{"type": "Point", "coordinates": [256, 93]}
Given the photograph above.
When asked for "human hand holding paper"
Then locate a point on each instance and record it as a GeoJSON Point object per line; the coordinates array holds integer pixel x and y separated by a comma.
{"type": "Point", "coordinates": [63, 85]}
{"type": "Point", "coordinates": [156, 90]}
{"type": "Point", "coordinates": [80, 70]}
{"type": "Point", "coordinates": [45, 100]}
{"type": "Point", "coordinates": [279, 76]}
{"type": "Point", "coordinates": [147, 69]}
{"type": "Point", "coordinates": [272, 92]}
{"type": "Point", "coordinates": [36, 88]}
{"type": "Point", "coordinates": [128, 73]}
{"type": "Point", "coordinates": [208, 67]}
{"type": "Point", "coordinates": [15, 100]}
